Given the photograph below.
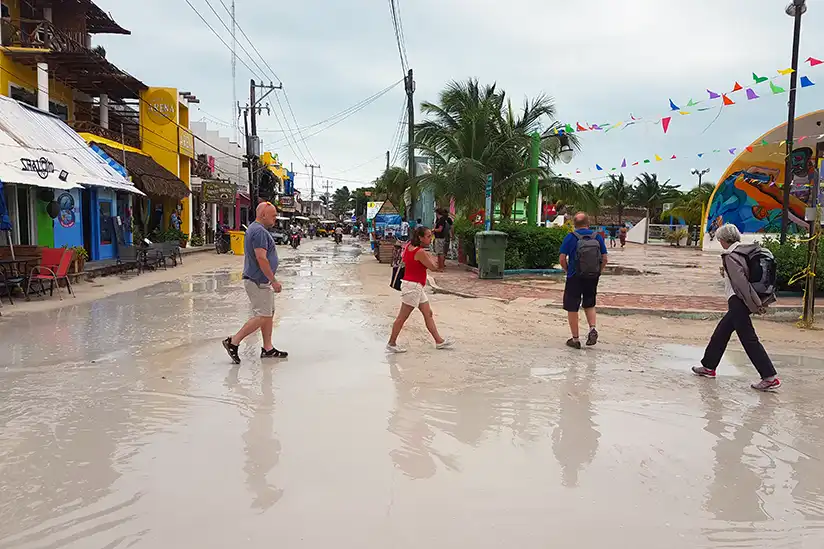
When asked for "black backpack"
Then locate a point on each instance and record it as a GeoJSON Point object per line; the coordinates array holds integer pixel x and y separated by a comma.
{"type": "Point", "coordinates": [587, 256]}
{"type": "Point", "coordinates": [762, 270]}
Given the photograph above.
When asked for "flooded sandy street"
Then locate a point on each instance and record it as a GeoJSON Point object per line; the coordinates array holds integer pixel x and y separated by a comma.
{"type": "Point", "coordinates": [125, 425]}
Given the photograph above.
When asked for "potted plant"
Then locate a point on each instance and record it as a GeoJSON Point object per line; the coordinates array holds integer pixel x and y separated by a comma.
{"type": "Point", "coordinates": [197, 240]}
{"type": "Point", "coordinates": [80, 258]}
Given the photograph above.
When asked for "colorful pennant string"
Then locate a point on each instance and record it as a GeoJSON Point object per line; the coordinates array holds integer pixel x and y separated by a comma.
{"type": "Point", "coordinates": [751, 94]}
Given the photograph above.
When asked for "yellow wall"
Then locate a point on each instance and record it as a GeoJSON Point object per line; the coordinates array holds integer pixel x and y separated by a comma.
{"type": "Point", "coordinates": [160, 114]}
{"type": "Point", "coordinates": [26, 77]}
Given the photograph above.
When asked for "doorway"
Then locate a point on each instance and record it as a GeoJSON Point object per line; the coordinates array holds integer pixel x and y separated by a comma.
{"type": "Point", "coordinates": [86, 216]}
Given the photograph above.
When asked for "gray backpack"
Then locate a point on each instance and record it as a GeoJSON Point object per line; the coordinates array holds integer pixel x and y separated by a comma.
{"type": "Point", "coordinates": [587, 256]}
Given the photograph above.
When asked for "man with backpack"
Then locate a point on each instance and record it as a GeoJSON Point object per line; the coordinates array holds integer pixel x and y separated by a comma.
{"type": "Point", "coordinates": [583, 257]}
{"type": "Point", "coordinates": [749, 284]}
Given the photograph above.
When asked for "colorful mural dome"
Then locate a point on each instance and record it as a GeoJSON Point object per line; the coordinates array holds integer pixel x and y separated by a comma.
{"type": "Point", "coordinates": [750, 192]}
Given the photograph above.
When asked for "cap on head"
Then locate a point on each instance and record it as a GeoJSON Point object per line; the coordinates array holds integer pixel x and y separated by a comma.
{"type": "Point", "coordinates": [581, 220]}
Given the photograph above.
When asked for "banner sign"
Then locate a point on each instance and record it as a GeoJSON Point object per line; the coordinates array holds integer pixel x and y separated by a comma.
{"type": "Point", "coordinates": [219, 192]}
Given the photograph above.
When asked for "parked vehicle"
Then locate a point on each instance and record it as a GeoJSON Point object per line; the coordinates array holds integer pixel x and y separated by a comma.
{"type": "Point", "coordinates": [222, 240]}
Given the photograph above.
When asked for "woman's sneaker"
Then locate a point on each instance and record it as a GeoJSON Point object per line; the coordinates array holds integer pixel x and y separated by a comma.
{"type": "Point", "coordinates": [574, 343]}
{"type": "Point", "coordinates": [445, 344]}
{"type": "Point", "coordinates": [703, 372]}
{"type": "Point", "coordinates": [765, 385]}
{"type": "Point", "coordinates": [397, 349]}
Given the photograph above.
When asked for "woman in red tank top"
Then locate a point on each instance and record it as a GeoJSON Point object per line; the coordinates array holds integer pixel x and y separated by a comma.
{"type": "Point", "coordinates": [416, 261]}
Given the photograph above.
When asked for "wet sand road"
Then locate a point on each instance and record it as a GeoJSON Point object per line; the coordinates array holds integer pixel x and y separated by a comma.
{"type": "Point", "coordinates": [124, 425]}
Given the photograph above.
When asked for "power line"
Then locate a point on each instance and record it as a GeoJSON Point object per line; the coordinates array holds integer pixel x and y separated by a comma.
{"type": "Point", "coordinates": [234, 19]}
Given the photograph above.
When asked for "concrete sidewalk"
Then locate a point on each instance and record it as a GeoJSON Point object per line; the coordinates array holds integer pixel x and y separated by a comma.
{"type": "Point", "coordinates": [657, 280]}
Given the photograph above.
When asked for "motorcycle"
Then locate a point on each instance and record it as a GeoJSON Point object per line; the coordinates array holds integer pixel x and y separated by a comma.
{"type": "Point", "coordinates": [294, 240]}
{"type": "Point", "coordinates": [338, 238]}
{"type": "Point", "coordinates": [222, 241]}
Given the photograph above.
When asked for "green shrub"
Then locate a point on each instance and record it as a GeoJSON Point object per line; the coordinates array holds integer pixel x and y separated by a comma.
{"type": "Point", "coordinates": [791, 259]}
{"type": "Point", "coordinates": [532, 247]}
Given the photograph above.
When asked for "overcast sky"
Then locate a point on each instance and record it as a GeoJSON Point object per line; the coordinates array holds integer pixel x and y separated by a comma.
{"type": "Point", "coordinates": [599, 59]}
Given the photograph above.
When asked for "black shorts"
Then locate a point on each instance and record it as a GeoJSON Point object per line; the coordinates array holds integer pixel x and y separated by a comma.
{"type": "Point", "coordinates": [580, 292]}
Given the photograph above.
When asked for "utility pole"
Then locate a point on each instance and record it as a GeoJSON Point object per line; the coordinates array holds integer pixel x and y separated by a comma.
{"type": "Point", "coordinates": [312, 188]}
{"type": "Point", "coordinates": [410, 110]}
{"type": "Point", "coordinates": [808, 314]}
{"type": "Point", "coordinates": [328, 196]}
{"type": "Point", "coordinates": [252, 142]}
{"type": "Point", "coordinates": [795, 10]}
{"type": "Point", "coordinates": [387, 160]}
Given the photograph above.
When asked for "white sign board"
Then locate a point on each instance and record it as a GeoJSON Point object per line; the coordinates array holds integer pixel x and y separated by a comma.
{"type": "Point", "coordinates": [372, 209]}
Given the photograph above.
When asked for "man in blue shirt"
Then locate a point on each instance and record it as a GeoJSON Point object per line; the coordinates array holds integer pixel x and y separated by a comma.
{"type": "Point", "coordinates": [259, 266]}
{"type": "Point", "coordinates": [582, 287]}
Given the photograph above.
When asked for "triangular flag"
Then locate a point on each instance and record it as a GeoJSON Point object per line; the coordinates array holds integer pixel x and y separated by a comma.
{"type": "Point", "coordinates": [665, 122]}
{"type": "Point", "coordinates": [595, 127]}
{"type": "Point", "coordinates": [751, 94]}
{"type": "Point", "coordinates": [758, 79]}
{"type": "Point", "coordinates": [683, 113]}
{"type": "Point", "coordinates": [813, 61]}
{"type": "Point", "coordinates": [658, 158]}
{"type": "Point", "coordinates": [800, 139]}
{"type": "Point", "coordinates": [599, 168]}
{"type": "Point", "coordinates": [764, 142]}
{"type": "Point", "coordinates": [728, 101]}
{"type": "Point", "coordinates": [580, 127]}
{"type": "Point", "coordinates": [635, 163]}
{"type": "Point", "coordinates": [692, 103]}
{"type": "Point", "coordinates": [577, 171]}
{"type": "Point", "coordinates": [646, 161]}
{"type": "Point", "coordinates": [624, 163]}
{"type": "Point", "coordinates": [716, 150]}
{"type": "Point", "coordinates": [569, 129]}
{"type": "Point", "coordinates": [700, 155]}
{"type": "Point", "coordinates": [732, 151]}
{"type": "Point", "coordinates": [713, 95]}
{"type": "Point", "coordinates": [749, 149]}
{"type": "Point", "coordinates": [613, 169]}
{"type": "Point", "coordinates": [673, 157]}
{"type": "Point", "coordinates": [806, 82]}
{"type": "Point", "coordinates": [704, 109]}
{"type": "Point", "coordinates": [630, 115]}
{"type": "Point", "coordinates": [776, 89]}
{"type": "Point", "coordinates": [786, 71]}
{"type": "Point", "coordinates": [737, 87]}
{"type": "Point", "coordinates": [617, 124]}
{"type": "Point", "coordinates": [673, 106]}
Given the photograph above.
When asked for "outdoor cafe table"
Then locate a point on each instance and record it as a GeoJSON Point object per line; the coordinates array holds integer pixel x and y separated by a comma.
{"type": "Point", "coordinates": [20, 266]}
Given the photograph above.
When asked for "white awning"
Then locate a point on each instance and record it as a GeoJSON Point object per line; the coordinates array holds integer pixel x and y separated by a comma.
{"type": "Point", "coordinates": [39, 149]}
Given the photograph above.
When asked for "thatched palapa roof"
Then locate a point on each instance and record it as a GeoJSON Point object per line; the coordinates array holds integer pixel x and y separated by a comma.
{"type": "Point", "coordinates": [148, 176]}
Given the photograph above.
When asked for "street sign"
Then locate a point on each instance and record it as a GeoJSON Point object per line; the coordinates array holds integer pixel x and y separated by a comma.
{"type": "Point", "coordinates": [218, 192]}
{"type": "Point", "coordinates": [488, 212]}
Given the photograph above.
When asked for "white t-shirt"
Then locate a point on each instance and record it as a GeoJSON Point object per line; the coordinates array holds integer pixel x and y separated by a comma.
{"type": "Point", "coordinates": [404, 228]}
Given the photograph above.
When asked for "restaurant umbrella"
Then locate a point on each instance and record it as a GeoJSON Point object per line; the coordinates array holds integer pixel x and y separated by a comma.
{"type": "Point", "coordinates": [5, 220]}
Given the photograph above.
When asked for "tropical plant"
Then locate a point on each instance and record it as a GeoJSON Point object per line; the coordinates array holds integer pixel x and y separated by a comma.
{"type": "Point", "coordinates": [197, 240]}
{"type": "Point", "coordinates": [618, 194]}
{"type": "Point", "coordinates": [675, 237]}
{"type": "Point", "coordinates": [651, 193]}
{"type": "Point", "coordinates": [393, 183]}
{"type": "Point", "coordinates": [473, 131]}
{"type": "Point", "coordinates": [359, 199]}
{"type": "Point", "coordinates": [80, 253]}
{"type": "Point", "coordinates": [340, 200]}
{"type": "Point", "coordinates": [690, 205]}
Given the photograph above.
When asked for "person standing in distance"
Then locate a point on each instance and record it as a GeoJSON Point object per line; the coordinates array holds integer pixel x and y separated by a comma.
{"type": "Point", "coordinates": [583, 257]}
{"type": "Point", "coordinates": [259, 266]}
{"type": "Point", "coordinates": [416, 260]}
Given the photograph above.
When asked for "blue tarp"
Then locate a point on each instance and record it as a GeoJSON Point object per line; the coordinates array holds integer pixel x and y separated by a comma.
{"type": "Point", "coordinates": [5, 220]}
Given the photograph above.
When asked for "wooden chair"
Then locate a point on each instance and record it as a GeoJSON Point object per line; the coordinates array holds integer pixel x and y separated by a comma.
{"type": "Point", "coordinates": [41, 274]}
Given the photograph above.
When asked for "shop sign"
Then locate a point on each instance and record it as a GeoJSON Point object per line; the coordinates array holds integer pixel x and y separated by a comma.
{"type": "Point", "coordinates": [287, 202]}
{"type": "Point", "coordinates": [372, 209]}
{"type": "Point", "coordinates": [186, 142]}
{"type": "Point", "coordinates": [42, 166]}
{"type": "Point", "coordinates": [219, 192]}
{"type": "Point", "coordinates": [162, 106]}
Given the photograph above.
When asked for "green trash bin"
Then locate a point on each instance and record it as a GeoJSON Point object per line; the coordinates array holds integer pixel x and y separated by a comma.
{"type": "Point", "coordinates": [490, 247]}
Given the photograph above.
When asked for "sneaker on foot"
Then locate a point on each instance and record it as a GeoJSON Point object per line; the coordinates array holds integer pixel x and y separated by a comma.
{"type": "Point", "coordinates": [397, 349]}
{"type": "Point", "coordinates": [232, 350]}
{"type": "Point", "coordinates": [445, 344]}
{"type": "Point", "coordinates": [592, 337]}
{"type": "Point", "coordinates": [574, 343]}
{"type": "Point", "coordinates": [703, 372]}
{"type": "Point", "coordinates": [272, 353]}
{"type": "Point", "coordinates": [765, 385]}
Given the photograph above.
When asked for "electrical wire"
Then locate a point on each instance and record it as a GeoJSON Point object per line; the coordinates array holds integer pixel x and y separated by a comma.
{"type": "Point", "coordinates": [397, 26]}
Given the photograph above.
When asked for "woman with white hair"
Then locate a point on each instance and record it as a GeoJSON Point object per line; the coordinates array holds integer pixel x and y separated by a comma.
{"type": "Point", "coordinates": [743, 300]}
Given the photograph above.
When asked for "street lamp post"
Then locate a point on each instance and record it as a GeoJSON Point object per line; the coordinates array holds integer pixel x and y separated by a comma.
{"type": "Point", "coordinates": [795, 9]}
{"type": "Point", "coordinates": [565, 154]}
{"type": "Point", "coordinates": [701, 174]}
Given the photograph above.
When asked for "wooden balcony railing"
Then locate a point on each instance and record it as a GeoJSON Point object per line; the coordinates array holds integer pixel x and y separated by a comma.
{"type": "Point", "coordinates": [84, 126]}
{"type": "Point", "coordinates": [34, 33]}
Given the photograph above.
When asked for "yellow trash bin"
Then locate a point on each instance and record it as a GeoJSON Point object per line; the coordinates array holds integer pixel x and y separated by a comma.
{"type": "Point", "coordinates": [237, 239]}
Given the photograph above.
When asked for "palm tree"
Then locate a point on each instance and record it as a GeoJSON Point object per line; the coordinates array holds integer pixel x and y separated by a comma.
{"type": "Point", "coordinates": [394, 183]}
{"type": "Point", "coordinates": [473, 131]}
{"type": "Point", "coordinates": [651, 193]}
{"type": "Point", "coordinates": [618, 194]}
{"type": "Point", "coordinates": [340, 200]}
{"type": "Point", "coordinates": [690, 206]}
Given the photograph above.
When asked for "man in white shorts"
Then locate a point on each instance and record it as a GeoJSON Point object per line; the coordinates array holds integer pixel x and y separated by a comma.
{"type": "Point", "coordinates": [259, 267]}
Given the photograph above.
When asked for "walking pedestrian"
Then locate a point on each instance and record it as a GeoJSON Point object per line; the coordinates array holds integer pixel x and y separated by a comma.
{"type": "Point", "coordinates": [443, 226]}
{"type": "Point", "coordinates": [622, 236]}
{"type": "Point", "coordinates": [583, 257]}
{"type": "Point", "coordinates": [404, 232]}
{"type": "Point", "coordinates": [416, 260]}
{"type": "Point", "coordinates": [743, 300]}
{"type": "Point", "coordinates": [260, 264]}
{"type": "Point", "coordinates": [613, 232]}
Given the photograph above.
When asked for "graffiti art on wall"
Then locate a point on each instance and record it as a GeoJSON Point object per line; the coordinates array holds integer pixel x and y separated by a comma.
{"type": "Point", "coordinates": [66, 216]}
